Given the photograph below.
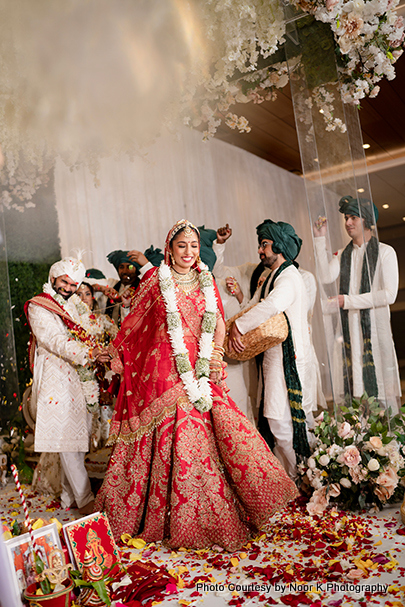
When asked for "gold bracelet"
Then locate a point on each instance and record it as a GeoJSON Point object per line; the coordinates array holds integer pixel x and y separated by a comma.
{"type": "Point", "coordinates": [216, 365]}
{"type": "Point", "coordinates": [218, 348]}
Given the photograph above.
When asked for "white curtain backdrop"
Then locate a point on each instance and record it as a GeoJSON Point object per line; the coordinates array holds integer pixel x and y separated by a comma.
{"type": "Point", "coordinates": [211, 183]}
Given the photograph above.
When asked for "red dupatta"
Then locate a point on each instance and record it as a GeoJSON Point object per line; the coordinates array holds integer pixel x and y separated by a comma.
{"type": "Point", "coordinates": [150, 383]}
{"type": "Point", "coordinates": [49, 303]}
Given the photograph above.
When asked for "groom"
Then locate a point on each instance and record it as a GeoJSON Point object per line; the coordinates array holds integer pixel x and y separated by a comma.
{"type": "Point", "coordinates": [55, 354]}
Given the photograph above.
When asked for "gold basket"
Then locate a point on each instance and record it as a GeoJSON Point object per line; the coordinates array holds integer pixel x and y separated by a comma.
{"type": "Point", "coordinates": [270, 333]}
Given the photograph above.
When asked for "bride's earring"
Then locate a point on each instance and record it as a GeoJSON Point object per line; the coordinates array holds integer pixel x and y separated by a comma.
{"type": "Point", "coordinates": [198, 259]}
{"type": "Point", "coordinates": [172, 258]}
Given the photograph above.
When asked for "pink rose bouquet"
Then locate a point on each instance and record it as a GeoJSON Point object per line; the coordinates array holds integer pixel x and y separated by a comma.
{"type": "Point", "coordinates": [358, 458]}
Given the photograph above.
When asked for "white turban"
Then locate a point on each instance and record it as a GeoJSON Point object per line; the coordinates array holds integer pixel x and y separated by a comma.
{"type": "Point", "coordinates": [70, 266]}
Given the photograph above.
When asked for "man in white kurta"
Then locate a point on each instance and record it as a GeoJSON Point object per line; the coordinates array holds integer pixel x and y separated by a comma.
{"type": "Point", "coordinates": [383, 293]}
{"type": "Point", "coordinates": [234, 285]}
{"type": "Point", "coordinates": [278, 244]}
{"type": "Point", "coordinates": [63, 423]}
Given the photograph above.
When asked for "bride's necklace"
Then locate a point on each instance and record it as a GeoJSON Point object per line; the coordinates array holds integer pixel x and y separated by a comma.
{"type": "Point", "coordinates": [196, 382]}
{"type": "Point", "coordinates": [186, 282]}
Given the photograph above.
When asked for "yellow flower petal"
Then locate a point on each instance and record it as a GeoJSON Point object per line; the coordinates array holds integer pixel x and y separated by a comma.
{"type": "Point", "coordinates": [137, 543]}
{"type": "Point", "coordinates": [234, 561]}
{"type": "Point", "coordinates": [57, 523]}
{"type": "Point", "coordinates": [134, 557]}
{"type": "Point", "coordinates": [182, 569]}
{"type": "Point", "coordinates": [378, 543]}
{"type": "Point", "coordinates": [243, 555]}
{"type": "Point", "coordinates": [125, 537]}
{"type": "Point", "coordinates": [180, 583]}
{"type": "Point", "coordinates": [38, 524]}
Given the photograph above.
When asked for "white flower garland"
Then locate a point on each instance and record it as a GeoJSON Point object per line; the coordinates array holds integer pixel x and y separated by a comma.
{"type": "Point", "coordinates": [195, 383]}
{"type": "Point", "coordinates": [76, 309]}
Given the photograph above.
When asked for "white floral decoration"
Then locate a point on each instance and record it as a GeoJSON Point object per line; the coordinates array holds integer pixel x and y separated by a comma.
{"type": "Point", "coordinates": [79, 312]}
{"type": "Point", "coordinates": [223, 45]}
{"type": "Point", "coordinates": [196, 383]}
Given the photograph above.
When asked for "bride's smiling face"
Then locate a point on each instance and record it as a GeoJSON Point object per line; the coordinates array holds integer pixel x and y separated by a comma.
{"type": "Point", "coordinates": [185, 250]}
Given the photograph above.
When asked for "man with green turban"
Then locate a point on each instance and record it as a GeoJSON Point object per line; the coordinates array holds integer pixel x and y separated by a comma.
{"type": "Point", "coordinates": [285, 367]}
{"type": "Point", "coordinates": [368, 284]}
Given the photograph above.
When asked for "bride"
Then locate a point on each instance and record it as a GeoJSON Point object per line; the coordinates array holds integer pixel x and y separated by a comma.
{"type": "Point", "coordinates": [187, 466]}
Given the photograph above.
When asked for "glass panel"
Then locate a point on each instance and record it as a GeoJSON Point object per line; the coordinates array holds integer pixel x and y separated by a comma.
{"type": "Point", "coordinates": [356, 318]}
{"type": "Point", "coordinates": [9, 390]}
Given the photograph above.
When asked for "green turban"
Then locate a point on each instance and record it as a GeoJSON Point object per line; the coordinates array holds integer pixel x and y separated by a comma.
{"type": "Point", "coordinates": [118, 257]}
{"type": "Point", "coordinates": [94, 273]}
{"type": "Point", "coordinates": [350, 206]}
{"type": "Point", "coordinates": [207, 255]}
{"type": "Point", "coordinates": [285, 240]}
{"type": "Point", "coordinates": [155, 256]}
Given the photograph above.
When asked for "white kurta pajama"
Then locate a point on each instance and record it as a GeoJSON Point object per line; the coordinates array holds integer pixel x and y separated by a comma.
{"type": "Point", "coordinates": [62, 423]}
{"type": "Point", "coordinates": [237, 372]}
{"type": "Point", "coordinates": [288, 295]}
{"type": "Point", "coordinates": [383, 294]}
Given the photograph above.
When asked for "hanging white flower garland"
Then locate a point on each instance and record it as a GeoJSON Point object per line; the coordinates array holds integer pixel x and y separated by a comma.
{"type": "Point", "coordinates": [76, 309]}
{"type": "Point", "coordinates": [195, 383]}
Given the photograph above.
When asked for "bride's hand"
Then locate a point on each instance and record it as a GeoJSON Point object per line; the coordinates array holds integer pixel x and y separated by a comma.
{"type": "Point", "coordinates": [216, 376]}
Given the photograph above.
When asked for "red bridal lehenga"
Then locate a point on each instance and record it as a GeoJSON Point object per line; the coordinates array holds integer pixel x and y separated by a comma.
{"type": "Point", "coordinates": [191, 479]}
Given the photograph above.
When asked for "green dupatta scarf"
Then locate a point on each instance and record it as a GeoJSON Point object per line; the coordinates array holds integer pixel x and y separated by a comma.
{"type": "Point", "coordinates": [292, 380]}
{"type": "Point", "coordinates": [367, 273]}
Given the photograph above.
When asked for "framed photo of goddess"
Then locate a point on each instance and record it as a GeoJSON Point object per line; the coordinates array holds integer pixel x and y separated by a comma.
{"type": "Point", "coordinates": [20, 557]}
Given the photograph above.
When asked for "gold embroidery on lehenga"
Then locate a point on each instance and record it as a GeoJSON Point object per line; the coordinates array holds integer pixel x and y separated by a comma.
{"type": "Point", "coordinates": [194, 479]}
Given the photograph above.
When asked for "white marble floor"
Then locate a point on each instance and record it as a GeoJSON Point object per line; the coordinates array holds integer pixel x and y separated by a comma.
{"type": "Point", "coordinates": [338, 560]}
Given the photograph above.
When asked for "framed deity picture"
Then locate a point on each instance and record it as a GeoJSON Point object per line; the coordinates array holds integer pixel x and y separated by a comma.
{"type": "Point", "coordinates": [91, 534]}
{"type": "Point", "coordinates": [20, 557]}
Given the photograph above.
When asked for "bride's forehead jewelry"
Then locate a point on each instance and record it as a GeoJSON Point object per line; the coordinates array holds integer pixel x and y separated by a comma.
{"type": "Point", "coordinates": [183, 225]}
{"type": "Point", "coordinates": [188, 231]}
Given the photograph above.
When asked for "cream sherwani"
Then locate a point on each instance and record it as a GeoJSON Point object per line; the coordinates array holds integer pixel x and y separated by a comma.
{"type": "Point", "coordinates": [383, 294]}
{"type": "Point", "coordinates": [62, 423]}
